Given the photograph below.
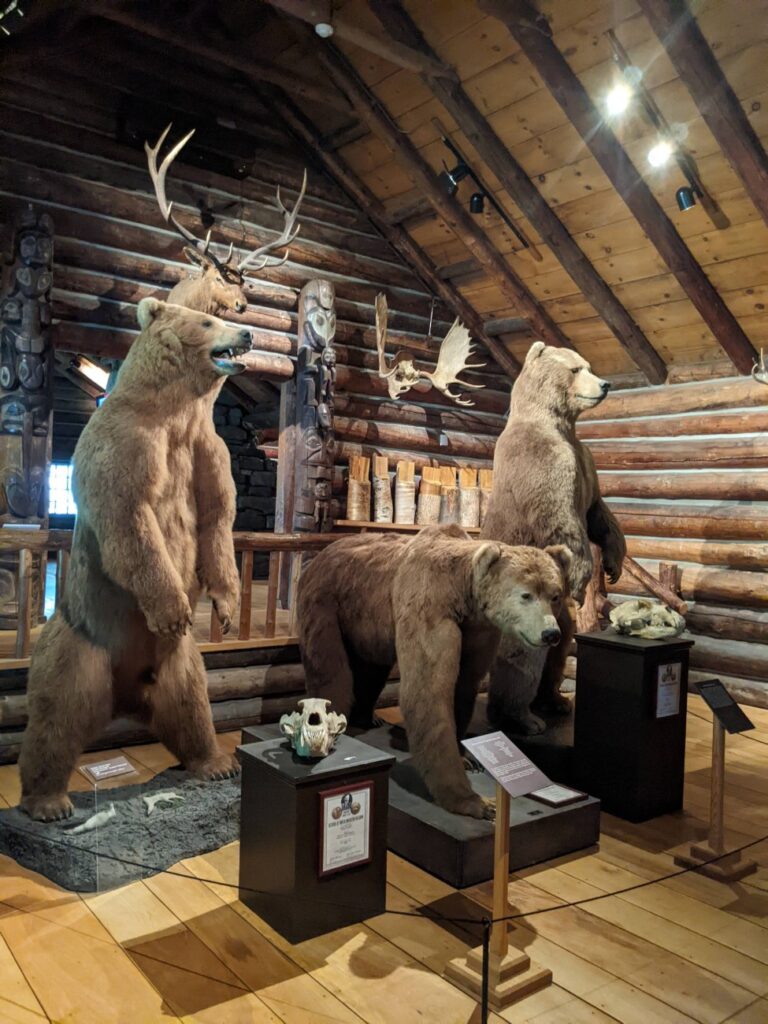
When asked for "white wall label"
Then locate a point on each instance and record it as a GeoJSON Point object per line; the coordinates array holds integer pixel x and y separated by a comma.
{"type": "Point", "coordinates": [346, 820]}
{"type": "Point", "coordinates": [668, 679]}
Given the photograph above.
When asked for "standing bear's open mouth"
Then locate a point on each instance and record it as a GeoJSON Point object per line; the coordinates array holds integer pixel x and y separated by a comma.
{"type": "Point", "coordinates": [228, 366]}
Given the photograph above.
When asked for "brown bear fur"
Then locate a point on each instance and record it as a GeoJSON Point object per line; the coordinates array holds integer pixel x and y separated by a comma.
{"type": "Point", "coordinates": [437, 604]}
{"type": "Point", "coordinates": [545, 491]}
{"type": "Point", "coordinates": [156, 504]}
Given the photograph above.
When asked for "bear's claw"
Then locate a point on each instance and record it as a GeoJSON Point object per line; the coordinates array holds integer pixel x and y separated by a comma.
{"type": "Point", "coordinates": [47, 808]}
{"type": "Point", "coordinates": [217, 768]}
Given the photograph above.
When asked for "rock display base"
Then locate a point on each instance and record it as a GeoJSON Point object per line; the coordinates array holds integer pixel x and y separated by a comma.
{"type": "Point", "coordinates": [132, 845]}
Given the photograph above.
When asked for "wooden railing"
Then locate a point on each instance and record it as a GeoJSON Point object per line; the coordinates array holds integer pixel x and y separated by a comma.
{"type": "Point", "coordinates": [28, 543]}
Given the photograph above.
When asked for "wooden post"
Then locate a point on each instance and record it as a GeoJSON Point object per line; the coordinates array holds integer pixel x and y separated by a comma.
{"type": "Point", "coordinates": [298, 560]}
{"type": "Point", "coordinates": [511, 975]}
{"type": "Point", "coordinates": [730, 868]}
{"type": "Point", "coordinates": [246, 589]}
{"type": "Point", "coordinates": [24, 627]}
{"type": "Point", "coordinates": [215, 633]}
{"type": "Point", "coordinates": [272, 588]}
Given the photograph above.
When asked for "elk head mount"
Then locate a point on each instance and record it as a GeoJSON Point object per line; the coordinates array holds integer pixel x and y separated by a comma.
{"type": "Point", "coordinates": [402, 375]}
{"type": "Point", "coordinates": [220, 286]}
{"type": "Point", "coordinates": [760, 370]}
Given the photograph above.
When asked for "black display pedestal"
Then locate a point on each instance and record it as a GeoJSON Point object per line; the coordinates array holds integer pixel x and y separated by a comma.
{"type": "Point", "coordinates": [281, 833]}
{"type": "Point", "coordinates": [629, 729]}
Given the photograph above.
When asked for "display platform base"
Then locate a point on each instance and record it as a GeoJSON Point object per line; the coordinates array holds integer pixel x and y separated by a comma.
{"type": "Point", "coordinates": [453, 847]}
{"type": "Point", "coordinates": [510, 979]}
{"type": "Point", "coordinates": [727, 868]}
{"type": "Point", "coordinates": [132, 844]}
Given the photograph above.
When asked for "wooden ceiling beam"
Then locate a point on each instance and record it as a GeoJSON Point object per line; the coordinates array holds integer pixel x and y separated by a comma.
{"type": "Point", "coordinates": [534, 36]}
{"type": "Point", "coordinates": [399, 239]}
{"type": "Point", "coordinates": [700, 72]}
{"type": "Point", "coordinates": [398, 23]}
{"type": "Point", "coordinates": [453, 213]}
{"type": "Point", "coordinates": [229, 55]}
{"type": "Point", "coordinates": [320, 11]}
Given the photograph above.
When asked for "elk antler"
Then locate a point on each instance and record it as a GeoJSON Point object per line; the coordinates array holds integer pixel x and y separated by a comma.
{"type": "Point", "coordinates": [158, 180]}
{"type": "Point", "coordinates": [451, 360]}
{"type": "Point", "coordinates": [381, 336]}
{"type": "Point", "coordinates": [760, 370]}
{"type": "Point", "coordinates": [290, 231]}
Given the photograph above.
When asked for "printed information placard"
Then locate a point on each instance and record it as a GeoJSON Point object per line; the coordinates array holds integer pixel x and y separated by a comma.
{"type": "Point", "coordinates": [346, 820]}
{"type": "Point", "coordinates": [506, 763]}
{"type": "Point", "coordinates": [668, 680]}
{"type": "Point", "coordinates": [100, 770]}
{"type": "Point", "coordinates": [729, 713]}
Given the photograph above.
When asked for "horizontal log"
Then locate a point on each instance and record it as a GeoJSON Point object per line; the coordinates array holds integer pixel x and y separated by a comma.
{"type": "Point", "coordinates": [733, 657]}
{"type": "Point", "coordinates": [725, 522]}
{"type": "Point", "coordinates": [431, 417]}
{"type": "Point", "coordinates": [704, 484]}
{"type": "Point", "coordinates": [718, 586]}
{"type": "Point", "coordinates": [742, 421]}
{"type": "Point", "coordinates": [729, 393]}
{"type": "Point", "coordinates": [714, 621]}
{"type": "Point", "coordinates": [729, 554]}
{"type": "Point", "coordinates": [730, 452]}
{"type": "Point", "coordinates": [419, 438]}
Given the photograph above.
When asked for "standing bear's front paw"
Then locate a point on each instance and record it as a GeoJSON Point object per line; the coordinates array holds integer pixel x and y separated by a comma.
{"type": "Point", "coordinates": [612, 564]}
{"type": "Point", "coordinates": [224, 610]}
{"type": "Point", "coordinates": [218, 766]}
{"type": "Point", "coordinates": [172, 618]}
{"type": "Point", "coordinates": [47, 808]}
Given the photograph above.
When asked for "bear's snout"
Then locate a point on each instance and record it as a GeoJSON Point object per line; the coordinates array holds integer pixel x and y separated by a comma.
{"type": "Point", "coordinates": [245, 338]}
{"type": "Point", "coordinates": [550, 636]}
{"type": "Point", "coordinates": [605, 386]}
{"type": "Point", "coordinates": [240, 307]}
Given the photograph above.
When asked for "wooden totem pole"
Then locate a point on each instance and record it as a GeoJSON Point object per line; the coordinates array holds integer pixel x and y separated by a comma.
{"type": "Point", "coordinates": [315, 380]}
{"type": "Point", "coordinates": [26, 394]}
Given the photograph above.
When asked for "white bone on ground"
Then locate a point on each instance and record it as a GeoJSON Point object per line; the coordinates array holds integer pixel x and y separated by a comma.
{"type": "Point", "coordinates": [157, 798]}
{"type": "Point", "coordinates": [96, 820]}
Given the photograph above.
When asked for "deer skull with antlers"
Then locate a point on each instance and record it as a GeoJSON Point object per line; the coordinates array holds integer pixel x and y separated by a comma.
{"type": "Point", "coordinates": [760, 370]}
{"type": "Point", "coordinates": [220, 285]}
{"type": "Point", "coordinates": [402, 375]}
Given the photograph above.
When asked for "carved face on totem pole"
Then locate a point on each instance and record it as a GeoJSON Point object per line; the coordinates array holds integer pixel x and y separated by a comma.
{"type": "Point", "coordinates": [26, 364]}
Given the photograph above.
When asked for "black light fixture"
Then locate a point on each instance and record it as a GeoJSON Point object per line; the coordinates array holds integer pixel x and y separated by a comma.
{"type": "Point", "coordinates": [686, 198]}
{"type": "Point", "coordinates": [477, 202]}
{"type": "Point", "coordinates": [449, 180]}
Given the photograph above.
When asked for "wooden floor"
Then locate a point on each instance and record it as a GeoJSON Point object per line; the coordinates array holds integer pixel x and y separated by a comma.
{"type": "Point", "coordinates": [177, 948]}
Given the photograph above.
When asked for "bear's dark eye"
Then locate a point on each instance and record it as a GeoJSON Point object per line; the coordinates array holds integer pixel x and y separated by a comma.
{"type": "Point", "coordinates": [526, 597]}
{"type": "Point", "coordinates": [576, 369]}
{"type": "Point", "coordinates": [556, 598]}
{"type": "Point", "coordinates": [207, 323]}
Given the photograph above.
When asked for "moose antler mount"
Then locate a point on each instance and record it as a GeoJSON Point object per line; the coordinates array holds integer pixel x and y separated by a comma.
{"type": "Point", "coordinates": [401, 374]}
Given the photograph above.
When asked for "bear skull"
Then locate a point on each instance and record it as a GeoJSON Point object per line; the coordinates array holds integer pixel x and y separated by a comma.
{"type": "Point", "coordinates": [313, 730]}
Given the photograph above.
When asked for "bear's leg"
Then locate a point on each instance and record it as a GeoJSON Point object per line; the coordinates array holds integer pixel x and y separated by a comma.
{"type": "Point", "coordinates": [429, 670]}
{"type": "Point", "coordinates": [514, 681]}
{"type": "Point", "coordinates": [69, 695]}
{"type": "Point", "coordinates": [325, 659]}
{"type": "Point", "coordinates": [179, 712]}
{"type": "Point", "coordinates": [369, 681]}
{"type": "Point", "coordinates": [548, 699]}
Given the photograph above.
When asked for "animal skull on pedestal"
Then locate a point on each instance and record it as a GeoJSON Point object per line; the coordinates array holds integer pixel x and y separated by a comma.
{"type": "Point", "coordinates": [649, 619]}
{"type": "Point", "coordinates": [313, 730]}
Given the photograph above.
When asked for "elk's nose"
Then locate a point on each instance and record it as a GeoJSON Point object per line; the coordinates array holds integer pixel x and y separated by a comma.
{"type": "Point", "coordinates": [550, 636]}
{"type": "Point", "coordinates": [605, 386]}
{"type": "Point", "coordinates": [245, 338]}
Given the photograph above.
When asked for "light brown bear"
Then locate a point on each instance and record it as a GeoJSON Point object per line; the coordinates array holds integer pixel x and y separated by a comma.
{"type": "Point", "coordinates": [437, 604]}
{"type": "Point", "coordinates": [545, 491]}
{"type": "Point", "coordinates": [156, 504]}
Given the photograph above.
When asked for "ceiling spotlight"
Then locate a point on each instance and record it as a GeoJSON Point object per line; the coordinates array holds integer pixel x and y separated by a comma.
{"type": "Point", "coordinates": [324, 30]}
{"type": "Point", "coordinates": [449, 180]}
{"type": "Point", "coordinates": [659, 154]}
{"type": "Point", "coordinates": [686, 198]}
{"type": "Point", "coordinates": [477, 202]}
{"type": "Point", "coordinates": [618, 99]}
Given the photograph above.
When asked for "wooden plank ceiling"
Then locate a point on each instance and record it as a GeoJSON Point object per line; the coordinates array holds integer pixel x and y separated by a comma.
{"type": "Point", "coordinates": [511, 94]}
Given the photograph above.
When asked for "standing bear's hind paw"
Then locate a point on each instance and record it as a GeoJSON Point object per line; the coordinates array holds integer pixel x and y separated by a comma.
{"type": "Point", "coordinates": [47, 808]}
{"type": "Point", "coordinates": [219, 766]}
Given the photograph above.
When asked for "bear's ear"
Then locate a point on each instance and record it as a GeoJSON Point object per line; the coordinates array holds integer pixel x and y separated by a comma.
{"type": "Point", "coordinates": [534, 351]}
{"type": "Point", "coordinates": [562, 555]}
{"type": "Point", "coordinates": [485, 556]}
{"type": "Point", "coordinates": [147, 311]}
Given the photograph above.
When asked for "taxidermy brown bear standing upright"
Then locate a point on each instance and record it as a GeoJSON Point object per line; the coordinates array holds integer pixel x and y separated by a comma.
{"type": "Point", "coordinates": [545, 491]}
{"type": "Point", "coordinates": [156, 504]}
